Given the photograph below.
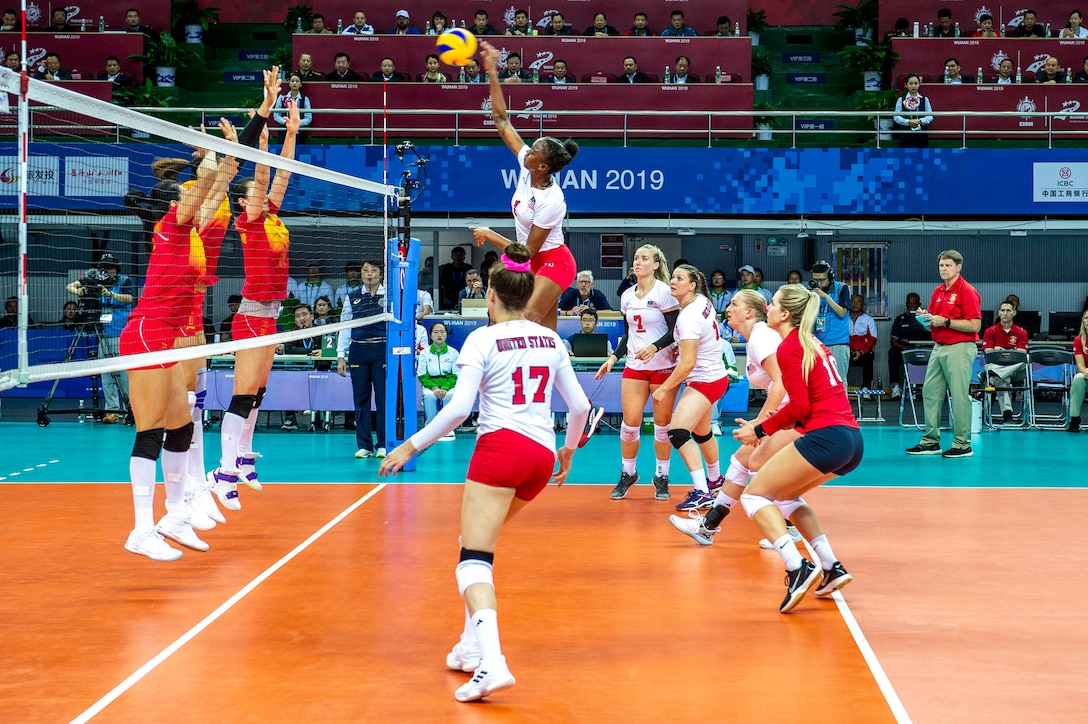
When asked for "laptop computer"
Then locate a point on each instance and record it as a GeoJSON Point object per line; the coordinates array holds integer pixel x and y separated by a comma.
{"type": "Point", "coordinates": [474, 308]}
{"type": "Point", "coordinates": [589, 345]}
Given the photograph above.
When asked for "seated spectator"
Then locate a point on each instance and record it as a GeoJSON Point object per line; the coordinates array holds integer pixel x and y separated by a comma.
{"type": "Point", "coordinates": [559, 74]}
{"type": "Point", "coordinates": [342, 71]}
{"type": "Point", "coordinates": [424, 304]}
{"type": "Point", "coordinates": [1073, 28]}
{"type": "Point", "coordinates": [432, 74]}
{"type": "Point", "coordinates": [1080, 379]}
{"type": "Point", "coordinates": [558, 26]}
{"type": "Point", "coordinates": [309, 346]}
{"type": "Point", "coordinates": [862, 340]}
{"type": "Point", "coordinates": [485, 269]}
{"type": "Point", "coordinates": [359, 25]}
{"type": "Point", "coordinates": [521, 24]}
{"type": "Point", "coordinates": [436, 369]}
{"type": "Point", "coordinates": [681, 74]}
{"type": "Point", "coordinates": [114, 74]}
{"type": "Point", "coordinates": [306, 69]}
{"type": "Point", "coordinates": [588, 319]}
{"type": "Point", "coordinates": [952, 72]}
{"type": "Point", "coordinates": [323, 311]}
{"type": "Point", "coordinates": [1005, 72]}
{"type": "Point", "coordinates": [451, 277]}
{"type": "Point", "coordinates": [482, 27]}
{"type": "Point", "coordinates": [314, 286]}
{"type": "Point", "coordinates": [233, 302]}
{"type": "Point", "coordinates": [1004, 334]}
{"type": "Point", "coordinates": [986, 27]}
{"type": "Point", "coordinates": [317, 26]}
{"type": "Point", "coordinates": [901, 30]}
{"type": "Point", "coordinates": [793, 276]}
{"type": "Point", "coordinates": [513, 72]}
{"type": "Point", "coordinates": [631, 73]}
{"type": "Point", "coordinates": [438, 23]}
{"type": "Point", "coordinates": [51, 69]}
{"type": "Point", "coordinates": [11, 315]}
{"type": "Point", "coordinates": [59, 22]}
{"type": "Point", "coordinates": [725, 27]}
{"type": "Point", "coordinates": [677, 27]}
{"type": "Point", "coordinates": [295, 97]}
{"type": "Point", "coordinates": [473, 74]}
{"type": "Point", "coordinates": [1082, 74]}
{"type": "Point", "coordinates": [944, 27]}
{"type": "Point", "coordinates": [13, 61]}
{"type": "Point", "coordinates": [133, 25]}
{"type": "Point", "coordinates": [353, 270]}
{"type": "Point", "coordinates": [474, 286]}
{"type": "Point", "coordinates": [1028, 28]}
{"type": "Point", "coordinates": [600, 27]}
{"type": "Point", "coordinates": [69, 317]}
{"type": "Point", "coordinates": [582, 296]}
{"type": "Point", "coordinates": [389, 73]}
{"type": "Point", "coordinates": [1050, 73]}
{"type": "Point", "coordinates": [640, 27]}
{"type": "Point", "coordinates": [402, 26]}
{"type": "Point", "coordinates": [10, 22]}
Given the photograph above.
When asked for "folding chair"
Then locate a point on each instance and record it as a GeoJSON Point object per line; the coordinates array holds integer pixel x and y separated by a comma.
{"type": "Point", "coordinates": [915, 362]}
{"type": "Point", "coordinates": [1052, 370]}
{"type": "Point", "coordinates": [1007, 371]}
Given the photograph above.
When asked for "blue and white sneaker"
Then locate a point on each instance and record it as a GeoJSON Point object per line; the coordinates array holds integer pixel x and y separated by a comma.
{"type": "Point", "coordinates": [225, 487]}
{"type": "Point", "coordinates": [696, 500]}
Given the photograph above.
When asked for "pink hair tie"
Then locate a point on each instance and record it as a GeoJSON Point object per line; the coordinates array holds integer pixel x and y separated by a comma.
{"type": "Point", "coordinates": [514, 266]}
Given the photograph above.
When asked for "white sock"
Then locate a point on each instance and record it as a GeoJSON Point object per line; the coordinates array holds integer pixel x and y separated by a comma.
{"type": "Point", "coordinates": [788, 550]}
{"type": "Point", "coordinates": [173, 473]}
{"type": "Point", "coordinates": [698, 479]}
{"type": "Point", "coordinates": [142, 473]}
{"type": "Point", "coordinates": [629, 465]}
{"type": "Point", "coordinates": [713, 470]}
{"type": "Point", "coordinates": [245, 442]}
{"type": "Point", "coordinates": [824, 552]}
{"type": "Point", "coordinates": [485, 623]}
{"type": "Point", "coordinates": [230, 440]}
{"type": "Point", "coordinates": [663, 467]}
{"type": "Point", "coordinates": [195, 458]}
{"type": "Point", "coordinates": [468, 635]}
{"type": "Point", "coordinates": [723, 499]}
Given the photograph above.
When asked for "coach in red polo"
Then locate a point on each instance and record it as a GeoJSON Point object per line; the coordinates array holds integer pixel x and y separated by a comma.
{"type": "Point", "coordinates": [955, 316]}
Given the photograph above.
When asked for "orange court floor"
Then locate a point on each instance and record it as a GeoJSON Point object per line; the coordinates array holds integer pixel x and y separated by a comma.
{"type": "Point", "coordinates": [331, 597]}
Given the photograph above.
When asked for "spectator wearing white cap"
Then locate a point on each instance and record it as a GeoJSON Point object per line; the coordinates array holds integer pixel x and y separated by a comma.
{"type": "Point", "coordinates": [403, 28]}
{"type": "Point", "coordinates": [748, 280]}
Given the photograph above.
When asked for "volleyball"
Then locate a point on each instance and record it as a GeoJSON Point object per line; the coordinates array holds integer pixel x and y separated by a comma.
{"type": "Point", "coordinates": [456, 46]}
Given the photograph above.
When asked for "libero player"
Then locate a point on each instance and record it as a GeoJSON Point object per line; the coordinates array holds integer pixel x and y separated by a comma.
{"type": "Point", "coordinates": [513, 364]}
{"type": "Point", "coordinates": [538, 204]}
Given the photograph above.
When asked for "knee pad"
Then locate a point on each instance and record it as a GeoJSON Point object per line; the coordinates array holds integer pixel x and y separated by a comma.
{"type": "Point", "coordinates": [789, 507]}
{"type": "Point", "coordinates": [753, 503]}
{"type": "Point", "coordinates": [679, 438]}
{"type": "Point", "coordinates": [702, 438]}
{"type": "Point", "coordinates": [475, 567]}
{"type": "Point", "coordinates": [242, 405]}
{"type": "Point", "coordinates": [201, 381]}
{"type": "Point", "coordinates": [661, 432]}
{"type": "Point", "coordinates": [629, 433]}
{"type": "Point", "coordinates": [148, 444]}
{"type": "Point", "coordinates": [259, 397]}
{"type": "Point", "coordinates": [737, 473]}
{"type": "Point", "coordinates": [178, 440]}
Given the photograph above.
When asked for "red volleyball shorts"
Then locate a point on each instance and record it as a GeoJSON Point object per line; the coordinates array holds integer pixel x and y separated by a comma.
{"type": "Point", "coordinates": [556, 264]}
{"type": "Point", "coordinates": [244, 326]}
{"type": "Point", "coordinates": [507, 459]}
{"type": "Point", "coordinates": [712, 391]}
{"type": "Point", "coordinates": [148, 335]}
{"type": "Point", "coordinates": [654, 377]}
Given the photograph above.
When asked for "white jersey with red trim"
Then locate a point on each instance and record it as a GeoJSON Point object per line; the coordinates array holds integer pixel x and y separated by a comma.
{"type": "Point", "coordinates": [762, 343]}
{"type": "Point", "coordinates": [519, 360]}
{"type": "Point", "coordinates": [545, 208]}
{"type": "Point", "coordinates": [646, 324]}
{"type": "Point", "coordinates": [699, 321]}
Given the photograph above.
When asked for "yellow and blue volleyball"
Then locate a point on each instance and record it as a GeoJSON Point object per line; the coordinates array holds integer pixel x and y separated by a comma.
{"type": "Point", "coordinates": [456, 46]}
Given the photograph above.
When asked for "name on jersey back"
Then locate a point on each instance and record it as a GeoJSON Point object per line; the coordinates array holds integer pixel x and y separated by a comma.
{"type": "Point", "coordinates": [507, 344]}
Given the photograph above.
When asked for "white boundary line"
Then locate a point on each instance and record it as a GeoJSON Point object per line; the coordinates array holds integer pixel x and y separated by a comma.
{"type": "Point", "coordinates": [147, 668]}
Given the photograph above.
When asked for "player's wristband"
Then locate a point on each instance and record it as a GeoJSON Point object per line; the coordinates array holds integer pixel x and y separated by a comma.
{"type": "Point", "coordinates": [759, 431]}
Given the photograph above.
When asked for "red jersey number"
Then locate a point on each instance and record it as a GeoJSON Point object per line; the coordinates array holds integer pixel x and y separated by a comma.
{"type": "Point", "coordinates": [538, 373]}
{"type": "Point", "coordinates": [638, 323]}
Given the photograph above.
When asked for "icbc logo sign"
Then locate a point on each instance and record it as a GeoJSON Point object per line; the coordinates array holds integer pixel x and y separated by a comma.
{"type": "Point", "coordinates": [1065, 172]}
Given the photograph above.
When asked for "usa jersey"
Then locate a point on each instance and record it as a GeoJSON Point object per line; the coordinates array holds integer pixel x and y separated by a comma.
{"type": "Point", "coordinates": [762, 344]}
{"type": "Point", "coordinates": [817, 402]}
{"type": "Point", "coordinates": [545, 208]}
{"type": "Point", "coordinates": [177, 265]}
{"type": "Point", "coordinates": [699, 321]}
{"type": "Point", "coordinates": [265, 241]}
{"type": "Point", "coordinates": [646, 324]}
{"type": "Point", "coordinates": [519, 360]}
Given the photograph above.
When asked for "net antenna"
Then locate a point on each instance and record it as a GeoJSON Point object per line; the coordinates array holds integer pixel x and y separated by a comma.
{"type": "Point", "coordinates": [91, 110]}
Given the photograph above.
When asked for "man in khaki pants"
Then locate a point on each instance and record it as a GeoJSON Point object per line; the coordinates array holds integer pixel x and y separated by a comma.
{"type": "Point", "coordinates": [954, 316]}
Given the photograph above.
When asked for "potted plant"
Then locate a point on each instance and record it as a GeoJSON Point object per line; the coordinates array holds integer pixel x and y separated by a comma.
{"type": "Point", "coordinates": [762, 67]}
{"type": "Point", "coordinates": [282, 58]}
{"type": "Point", "coordinates": [764, 124]}
{"type": "Point", "coordinates": [165, 55]}
{"type": "Point", "coordinates": [870, 59]}
{"type": "Point", "coordinates": [191, 19]}
{"type": "Point", "coordinates": [142, 96]}
{"type": "Point", "coordinates": [880, 103]}
{"type": "Point", "coordinates": [300, 18]}
{"type": "Point", "coordinates": [756, 23]}
{"type": "Point", "coordinates": [859, 19]}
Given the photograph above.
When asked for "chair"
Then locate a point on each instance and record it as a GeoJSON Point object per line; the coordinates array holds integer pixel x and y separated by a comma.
{"type": "Point", "coordinates": [915, 361]}
{"type": "Point", "coordinates": [729, 77]}
{"type": "Point", "coordinates": [1052, 370]}
{"type": "Point", "coordinates": [1014, 377]}
{"type": "Point", "coordinates": [599, 77]}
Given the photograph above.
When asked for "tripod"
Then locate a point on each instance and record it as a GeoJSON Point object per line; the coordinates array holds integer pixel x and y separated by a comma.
{"type": "Point", "coordinates": [89, 333]}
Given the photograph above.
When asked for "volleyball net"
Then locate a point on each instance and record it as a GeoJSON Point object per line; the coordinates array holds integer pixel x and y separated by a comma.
{"type": "Point", "coordinates": [86, 174]}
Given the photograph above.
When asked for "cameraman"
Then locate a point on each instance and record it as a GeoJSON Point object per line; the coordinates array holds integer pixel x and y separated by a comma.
{"type": "Point", "coordinates": [832, 321]}
{"type": "Point", "coordinates": [108, 296]}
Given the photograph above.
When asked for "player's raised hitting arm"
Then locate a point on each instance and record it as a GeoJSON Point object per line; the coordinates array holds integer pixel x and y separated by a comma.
{"type": "Point", "coordinates": [498, 104]}
{"type": "Point", "coordinates": [279, 184]}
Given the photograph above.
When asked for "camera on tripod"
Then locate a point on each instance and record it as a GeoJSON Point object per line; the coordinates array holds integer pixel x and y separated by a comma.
{"type": "Point", "coordinates": [93, 285]}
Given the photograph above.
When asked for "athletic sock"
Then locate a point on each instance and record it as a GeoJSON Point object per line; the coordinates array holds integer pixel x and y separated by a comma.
{"type": "Point", "coordinates": [788, 550]}
{"type": "Point", "coordinates": [485, 623]}
{"type": "Point", "coordinates": [142, 473]}
{"type": "Point", "coordinates": [230, 440]}
{"type": "Point", "coordinates": [713, 470]}
{"type": "Point", "coordinates": [629, 465]}
{"type": "Point", "coordinates": [245, 441]}
{"type": "Point", "coordinates": [824, 552]}
{"type": "Point", "coordinates": [724, 500]}
{"type": "Point", "coordinates": [468, 635]}
{"type": "Point", "coordinates": [662, 468]}
{"type": "Point", "coordinates": [173, 473]}
{"type": "Point", "coordinates": [195, 458]}
{"type": "Point", "coordinates": [698, 479]}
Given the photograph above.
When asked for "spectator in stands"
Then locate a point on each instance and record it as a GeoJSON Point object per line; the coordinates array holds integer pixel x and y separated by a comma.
{"type": "Point", "coordinates": [1005, 334]}
{"type": "Point", "coordinates": [793, 276]}
{"type": "Point", "coordinates": [1013, 300]}
{"type": "Point", "coordinates": [582, 296]}
{"type": "Point", "coordinates": [306, 69]}
{"type": "Point", "coordinates": [438, 23]}
{"type": "Point", "coordinates": [588, 320]}
{"type": "Point", "coordinates": [558, 26]}
{"type": "Point", "coordinates": [69, 317]}
{"type": "Point", "coordinates": [293, 96]}
{"type": "Point", "coordinates": [640, 27]}
{"type": "Point", "coordinates": [862, 340]}
{"type": "Point", "coordinates": [403, 27]}
{"type": "Point", "coordinates": [313, 286]}
{"type": "Point", "coordinates": [474, 286]}
{"type": "Point", "coordinates": [600, 27]}
{"type": "Point", "coordinates": [436, 369]}
{"type": "Point", "coordinates": [559, 74]}
{"type": "Point", "coordinates": [353, 270]}
{"type": "Point", "coordinates": [913, 112]}
{"type": "Point", "coordinates": [13, 61]}
{"type": "Point", "coordinates": [1080, 379]}
{"type": "Point", "coordinates": [317, 25]}
{"type": "Point", "coordinates": [324, 312]}
{"type": "Point", "coordinates": [473, 74]}
{"type": "Point", "coordinates": [1073, 28]}
{"type": "Point", "coordinates": [388, 73]}
{"type": "Point", "coordinates": [233, 301]}
{"type": "Point", "coordinates": [1028, 28]}
{"type": "Point", "coordinates": [1050, 73]}
{"type": "Point", "coordinates": [677, 27]}
{"type": "Point", "coordinates": [905, 329]}
{"type": "Point", "coordinates": [432, 74]}
{"type": "Point", "coordinates": [952, 72]}
{"type": "Point", "coordinates": [342, 71]}
{"type": "Point", "coordinates": [10, 22]}
{"type": "Point", "coordinates": [902, 30]}
{"type": "Point", "coordinates": [521, 24]}
{"type": "Point", "coordinates": [51, 69]}
{"type": "Point", "coordinates": [514, 73]}
{"type": "Point", "coordinates": [1082, 74]}
{"type": "Point", "coordinates": [1004, 72]}
{"type": "Point", "coordinates": [11, 315]}
{"type": "Point", "coordinates": [359, 25]}
{"type": "Point", "coordinates": [426, 274]}
{"type": "Point", "coordinates": [485, 269]}
{"type": "Point", "coordinates": [944, 28]}
{"type": "Point", "coordinates": [725, 27]}
{"type": "Point", "coordinates": [747, 274]}
{"type": "Point", "coordinates": [310, 346]}
{"type": "Point", "coordinates": [682, 75]}
{"type": "Point", "coordinates": [133, 25]}
{"type": "Point", "coordinates": [451, 278]}
{"type": "Point", "coordinates": [59, 23]}
{"type": "Point", "coordinates": [482, 27]}
{"type": "Point", "coordinates": [986, 27]}
{"type": "Point", "coordinates": [424, 304]}
{"type": "Point", "coordinates": [631, 73]}
{"type": "Point", "coordinates": [114, 74]}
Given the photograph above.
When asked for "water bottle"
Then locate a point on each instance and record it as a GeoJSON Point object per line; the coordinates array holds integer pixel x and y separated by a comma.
{"type": "Point", "coordinates": [101, 24]}
{"type": "Point", "coordinates": [1068, 75]}
{"type": "Point", "coordinates": [462, 76]}
{"type": "Point", "coordinates": [718, 74]}
{"type": "Point", "coordinates": [666, 74]}
{"type": "Point", "coordinates": [339, 26]}
{"type": "Point", "coordinates": [462, 23]}
{"type": "Point", "coordinates": [736, 28]}
{"type": "Point", "coordinates": [978, 78]}
{"type": "Point", "coordinates": [83, 25]}
{"type": "Point", "coordinates": [536, 75]}
{"type": "Point", "coordinates": [1047, 31]}
{"type": "Point", "coordinates": [957, 29]}
{"type": "Point", "coordinates": [82, 416]}
{"type": "Point", "coordinates": [430, 30]}
{"type": "Point", "coordinates": [930, 31]}
{"type": "Point", "coordinates": [1002, 30]}
{"type": "Point", "coordinates": [298, 26]}
{"type": "Point", "coordinates": [916, 28]}
{"type": "Point", "coordinates": [1018, 74]}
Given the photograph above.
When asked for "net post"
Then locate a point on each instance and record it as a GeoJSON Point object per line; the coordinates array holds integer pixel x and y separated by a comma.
{"type": "Point", "coordinates": [400, 352]}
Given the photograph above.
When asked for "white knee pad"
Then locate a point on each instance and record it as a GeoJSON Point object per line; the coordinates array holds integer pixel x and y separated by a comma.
{"type": "Point", "coordinates": [471, 572]}
{"type": "Point", "coordinates": [789, 507]}
{"type": "Point", "coordinates": [661, 433]}
{"type": "Point", "coordinates": [629, 433]}
{"type": "Point", "coordinates": [737, 473]}
{"type": "Point", "coordinates": [753, 503]}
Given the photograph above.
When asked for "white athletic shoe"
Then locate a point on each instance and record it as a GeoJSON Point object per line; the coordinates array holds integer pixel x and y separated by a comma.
{"type": "Point", "coordinates": [486, 681]}
{"type": "Point", "coordinates": [205, 501]}
{"type": "Point", "coordinates": [178, 529]}
{"type": "Point", "coordinates": [225, 487]}
{"type": "Point", "coordinates": [149, 543]}
{"type": "Point", "coordinates": [463, 658]}
{"type": "Point", "coordinates": [791, 529]}
{"type": "Point", "coordinates": [363, 453]}
{"type": "Point", "coordinates": [247, 465]}
{"type": "Point", "coordinates": [716, 429]}
{"type": "Point", "coordinates": [380, 453]}
{"type": "Point", "coordinates": [695, 528]}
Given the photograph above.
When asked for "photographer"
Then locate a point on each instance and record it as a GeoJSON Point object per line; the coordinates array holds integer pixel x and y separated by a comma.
{"type": "Point", "coordinates": [832, 321]}
{"type": "Point", "coordinates": [106, 298]}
